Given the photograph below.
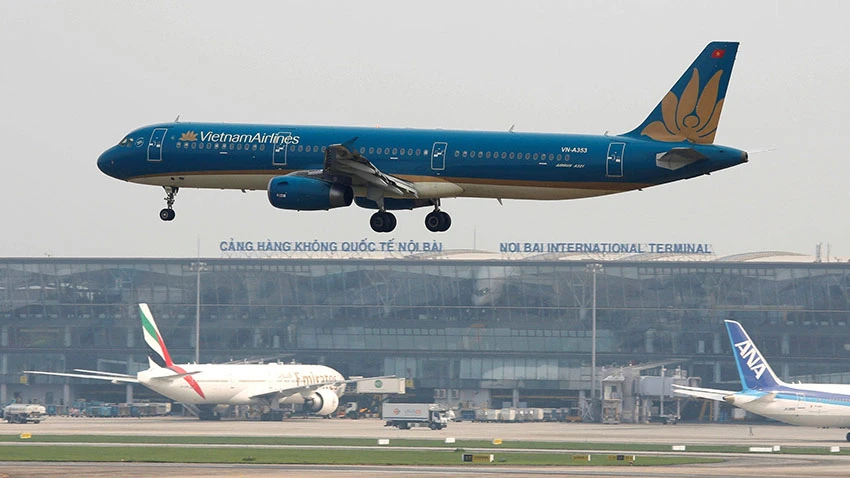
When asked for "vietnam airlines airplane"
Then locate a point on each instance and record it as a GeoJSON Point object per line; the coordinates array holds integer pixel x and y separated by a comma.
{"type": "Point", "coordinates": [808, 404]}
{"type": "Point", "coordinates": [201, 388]}
{"type": "Point", "coordinates": [323, 167]}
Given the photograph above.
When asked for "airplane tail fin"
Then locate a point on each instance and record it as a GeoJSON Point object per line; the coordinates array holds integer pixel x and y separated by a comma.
{"type": "Point", "coordinates": [157, 352]}
{"type": "Point", "coordinates": [690, 111]}
{"type": "Point", "coordinates": [753, 369]}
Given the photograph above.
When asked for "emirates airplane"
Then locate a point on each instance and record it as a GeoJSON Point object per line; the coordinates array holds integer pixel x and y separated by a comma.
{"type": "Point", "coordinates": [203, 387]}
{"type": "Point", "coordinates": [308, 168]}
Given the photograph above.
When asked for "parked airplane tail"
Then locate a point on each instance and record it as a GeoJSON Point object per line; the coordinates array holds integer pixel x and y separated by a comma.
{"type": "Point", "coordinates": [157, 354]}
{"type": "Point", "coordinates": [754, 370]}
{"type": "Point", "coordinates": [690, 111]}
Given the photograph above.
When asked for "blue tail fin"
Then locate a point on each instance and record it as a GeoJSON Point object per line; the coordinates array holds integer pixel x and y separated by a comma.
{"type": "Point", "coordinates": [752, 367]}
{"type": "Point", "coordinates": [690, 111]}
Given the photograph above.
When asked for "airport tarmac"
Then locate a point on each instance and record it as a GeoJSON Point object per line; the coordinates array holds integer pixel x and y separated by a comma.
{"type": "Point", "coordinates": [682, 434]}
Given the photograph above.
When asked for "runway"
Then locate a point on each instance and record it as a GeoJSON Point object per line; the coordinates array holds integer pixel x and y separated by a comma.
{"type": "Point", "coordinates": [772, 465]}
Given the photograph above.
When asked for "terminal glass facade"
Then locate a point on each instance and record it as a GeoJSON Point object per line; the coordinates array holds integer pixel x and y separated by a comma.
{"type": "Point", "coordinates": [507, 326]}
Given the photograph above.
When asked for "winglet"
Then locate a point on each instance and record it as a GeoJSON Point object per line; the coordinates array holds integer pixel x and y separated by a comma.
{"type": "Point", "coordinates": [690, 111]}
{"type": "Point", "coordinates": [158, 354]}
{"type": "Point", "coordinates": [753, 369]}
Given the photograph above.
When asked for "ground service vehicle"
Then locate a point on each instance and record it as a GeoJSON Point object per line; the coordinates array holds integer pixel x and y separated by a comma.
{"type": "Point", "coordinates": [406, 415]}
{"type": "Point", "coordinates": [23, 413]}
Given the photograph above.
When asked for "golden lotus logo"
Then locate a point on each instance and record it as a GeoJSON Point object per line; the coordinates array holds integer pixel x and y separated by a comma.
{"type": "Point", "coordinates": [693, 117]}
{"type": "Point", "coordinates": [189, 136]}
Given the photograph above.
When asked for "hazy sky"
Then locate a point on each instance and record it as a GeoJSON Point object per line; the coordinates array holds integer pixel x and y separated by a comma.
{"type": "Point", "coordinates": [77, 76]}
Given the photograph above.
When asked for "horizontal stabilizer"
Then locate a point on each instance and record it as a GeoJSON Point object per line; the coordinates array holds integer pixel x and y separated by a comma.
{"type": "Point", "coordinates": [111, 378]}
{"type": "Point", "coordinates": [175, 376]}
{"type": "Point", "coordinates": [707, 393]}
{"type": "Point", "coordinates": [678, 158]}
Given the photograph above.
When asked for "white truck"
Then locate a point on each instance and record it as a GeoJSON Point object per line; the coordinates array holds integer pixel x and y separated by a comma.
{"type": "Point", "coordinates": [24, 413]}
{"type": "Point", "coordinates": [406, 415]}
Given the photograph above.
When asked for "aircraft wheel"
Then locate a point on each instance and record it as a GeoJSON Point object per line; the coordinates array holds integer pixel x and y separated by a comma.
{"type": "Point", "coordinates": [445, 221]}
{"type": "Point", "coordinates": [382, 221]}
{"type": "Point", "coordinates": [433, 221]}
{"type": "Point", "coordinates": [167, 214]}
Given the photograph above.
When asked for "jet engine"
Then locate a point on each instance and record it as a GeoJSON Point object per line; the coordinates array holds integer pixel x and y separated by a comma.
{"type": "Point", "coordinates": [307, 194]}
{"type": "Point", "coordinates": [322, 402]}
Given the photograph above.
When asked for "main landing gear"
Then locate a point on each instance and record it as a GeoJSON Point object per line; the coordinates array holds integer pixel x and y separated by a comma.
{"type": "Point", "coordinates": [167, 214]}
{"type": "Point", "coordinates": [438, 221]}
{"type": "Point", "coordinates": [435, 221]}
{"type": "Point", "coordinates": [382, 221]}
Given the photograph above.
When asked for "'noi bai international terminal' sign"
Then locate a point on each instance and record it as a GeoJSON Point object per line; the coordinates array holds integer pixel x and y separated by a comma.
{"type": "Point", "coordinates": [395, 246]}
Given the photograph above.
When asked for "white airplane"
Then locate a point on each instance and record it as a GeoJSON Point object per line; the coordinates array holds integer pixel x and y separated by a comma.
{"type": "Point", "coordinates": [204, 387]}
{"type": "Point", "coordinates": [806, 404]}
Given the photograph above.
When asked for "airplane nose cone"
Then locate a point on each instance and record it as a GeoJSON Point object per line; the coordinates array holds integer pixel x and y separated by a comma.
{"type": "Point", "coordinates": [106, 163]}
{"type": "Point", "coordinates": [744, 157]}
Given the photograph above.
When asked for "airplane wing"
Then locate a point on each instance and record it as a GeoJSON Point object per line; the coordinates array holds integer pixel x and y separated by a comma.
{"type": "Point", "coordinates": [345, 160]}
{"type": "Point", "coordinates": [708, 393]}
{"type": "Point", "coordinates": [108, 374]}
{"type": "Point", "coordinates": [288, 392]}
{"type": "Point", "coordinates": [112, 378]}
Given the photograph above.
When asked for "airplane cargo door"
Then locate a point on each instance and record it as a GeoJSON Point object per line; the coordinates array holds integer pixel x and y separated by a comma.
{"type": "Point", "coordinates": [438, 156]}
{"type": "Point", "coordinates": [280, 148]}
{"type": "Point", "coordinates": [155, 144]}
{"type": "Point", "coordinates": [614, 163]}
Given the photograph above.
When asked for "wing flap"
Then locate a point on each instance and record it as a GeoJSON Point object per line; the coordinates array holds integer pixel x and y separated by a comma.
{"type": "Point", "coordinates": [707, 393]}
{"type": "Point", "coordinates": [344, 159]}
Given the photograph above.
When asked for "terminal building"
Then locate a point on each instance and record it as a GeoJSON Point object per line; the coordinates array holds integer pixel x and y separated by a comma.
{"type": "Point", "coordinates": [468, 328]}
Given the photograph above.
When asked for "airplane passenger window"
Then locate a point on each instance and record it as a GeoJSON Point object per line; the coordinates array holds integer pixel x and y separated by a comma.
{"type": "Point", "coordinates": [395, 151]}
{"type": "Point", "coordinates": [316, 149]}
{"type": "Point", "coordinates": [425, 152]}
{"type": "Point", "coordinates": [216, 146]}
{"type": "Point", "coordinates": [262, 147]}
{"type": "Point", "coordinates": [231, 146]}
{"type": "Point", "coordinates": [527, 155]}
{"type": "Point", "coordinates": [194, 145]}
{"type": "Point", "coordinates": [401, 152]}
{"type": "Point", "coordinates": [465, 153]}
{"type": "Point", "coordinates": [362, 150]}
{"type": "Point", "coordinates": [472, 154]}
{"type": "Point", "coordinates": [487, 155]}
{"type": "Point", "coordinates": [254, 147]}
{"type": "Point", "coordinates": [371, 149]}
{"type": "Point", "coordinates": [323, 149]}
{"type": "Point", "coordinates": [535, 156]}
{"type": "Point", "coordinates": [291, 148]}
{"type": "Point", "coordinates": [457, 153]}
{"type": "Point", "coordinates": [209, 145]}
{"type": "Point", "coordinates": [480, 155]}
{"type": "Point", "coordinates": [380, 150]}
{"type": "Point", "coordinates": [179, 145]}
{"type": "Point", "coordinates": [511, 155]}
{"type": "Point", "coordinates": [560, 156]}
{"type": "Point", "coordinates": [410, 151]}
{"type": "Point", "coordinates": [504, 155]}
{"type": "Point", "coordinates": [419, 151]}
{"type": "Point", "coordinates": [551, 156]}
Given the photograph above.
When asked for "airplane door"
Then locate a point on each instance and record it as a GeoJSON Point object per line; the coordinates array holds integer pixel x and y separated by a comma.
{"type": "Point", "coordinates": [614, 162]}
{"type": "Point", "coordinates": [438, 156]}
{"type": "Point", "coordinates": [280, 149]}
{"type": "Point", "coordinates": [801, 402]}
{"type": "Point", "coordinates": [155, 144]}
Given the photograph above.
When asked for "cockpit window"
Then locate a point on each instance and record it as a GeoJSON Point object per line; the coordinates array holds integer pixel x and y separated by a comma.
{"type": "Point", "coordinates": [128, 141]}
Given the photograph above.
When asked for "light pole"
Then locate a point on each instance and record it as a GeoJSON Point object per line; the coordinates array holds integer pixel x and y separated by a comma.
{"type": "Point", "coordinates": [594, 269]}
{"type": "Point", "coordinates": [198, 266]}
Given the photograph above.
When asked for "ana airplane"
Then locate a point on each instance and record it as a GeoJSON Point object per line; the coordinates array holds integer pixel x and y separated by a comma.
{"type": "Point", "coordinates": [203, 387]}
{"type": "Point", "coordinates": [808, 404]}
{"type": "Point", "coordinates": [325, 167]}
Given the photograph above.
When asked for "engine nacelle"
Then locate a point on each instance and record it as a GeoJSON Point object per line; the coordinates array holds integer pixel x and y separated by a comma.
{"type": "Point", "coordinates": [307, 194]}
{"type": "Point", "coordinates": [322, 402]}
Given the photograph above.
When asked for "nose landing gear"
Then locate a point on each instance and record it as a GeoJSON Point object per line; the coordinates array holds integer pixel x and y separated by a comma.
{"type": "Point", "coordinates": [168, 214]}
